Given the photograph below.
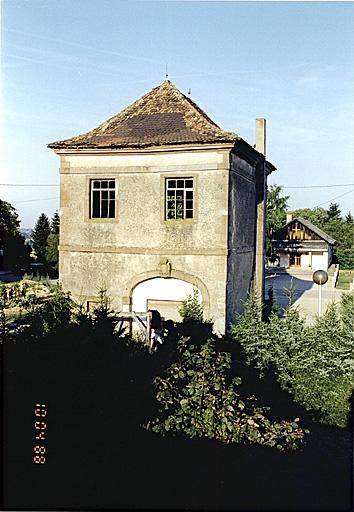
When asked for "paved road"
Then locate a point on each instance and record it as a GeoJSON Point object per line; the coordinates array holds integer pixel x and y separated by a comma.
{"type": "Point", "coordinates": [305, 291]}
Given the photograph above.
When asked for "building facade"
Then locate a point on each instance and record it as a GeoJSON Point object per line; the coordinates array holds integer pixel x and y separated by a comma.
{"type": "Point", "coordinates": [159, 200]}
{"type": "Point", "coordinates": [301, 245]}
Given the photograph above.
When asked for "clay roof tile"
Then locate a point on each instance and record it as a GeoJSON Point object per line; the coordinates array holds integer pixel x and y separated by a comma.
{"type": "Point", "coordinates": [162, 116]}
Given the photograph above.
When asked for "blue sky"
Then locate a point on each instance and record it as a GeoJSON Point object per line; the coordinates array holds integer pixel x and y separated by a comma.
{"type": "Point", "coordinates": [68, 65]}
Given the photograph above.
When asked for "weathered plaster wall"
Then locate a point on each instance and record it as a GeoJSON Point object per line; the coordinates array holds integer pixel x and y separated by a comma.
{"type": "Point", "coordinates": [242, 233]}
{"type": "Point", "coordinates": [109, 253]}
{"type": "Point", "coordinates": [140, 202]}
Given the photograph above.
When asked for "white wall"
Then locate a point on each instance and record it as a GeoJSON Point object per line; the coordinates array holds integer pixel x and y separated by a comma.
{"type": "Point", "coordinates": [160, 289]}
{"type": "Point", "coordinates": [320, 260]}
{"type": "Point", "coordinates": [305, 261]}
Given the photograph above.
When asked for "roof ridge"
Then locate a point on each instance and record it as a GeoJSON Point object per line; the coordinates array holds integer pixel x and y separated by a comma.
{"type": "Point", "coordinates": [314, 228]}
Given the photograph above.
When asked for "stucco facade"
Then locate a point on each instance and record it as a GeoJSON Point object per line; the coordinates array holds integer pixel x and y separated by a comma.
{"type": "Point", "coordinates": [214, 250]}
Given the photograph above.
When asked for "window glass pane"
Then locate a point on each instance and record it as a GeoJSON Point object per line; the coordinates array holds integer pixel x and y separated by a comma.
{"type": "Point", "coordinates": [111, 209]}
{"type": "Point", "coordinates": [104, 184]}
{"type": "Point", "coordinates": [112, 184]}
{"type": "Point", "coordinates": [104, 209]}
{"type": "Point", "coordinates": [104, 194]}
{"type": "Point", "coordinates": [96, 184]}
{"type": "Point", "coordinates": [111, 194]}
{"type": "Point", "coordinates": [95, 205]}
{"type": "Point", "coordinates": [179, 200]}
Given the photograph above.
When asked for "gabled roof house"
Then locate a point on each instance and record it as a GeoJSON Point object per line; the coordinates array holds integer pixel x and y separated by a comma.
{"type": "Point", "coordinates": [157, 200]}
{"type": "Point", "coordinates": [300, 244]}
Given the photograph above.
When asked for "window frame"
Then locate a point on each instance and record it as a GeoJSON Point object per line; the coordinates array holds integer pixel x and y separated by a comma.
{"type": "Point", "coordinates": [171, 184]}
{"type": "Point", "coordinates": [89, 199]}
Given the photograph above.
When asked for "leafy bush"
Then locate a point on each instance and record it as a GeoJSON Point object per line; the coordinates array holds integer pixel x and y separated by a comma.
{"type": "Point", "coordinates": [197, 399]}
{"type": "Point", "coordinates": [314, 363]}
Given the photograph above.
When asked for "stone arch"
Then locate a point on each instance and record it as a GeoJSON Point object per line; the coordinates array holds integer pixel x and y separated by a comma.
{"type": "Point", "coordinates": [176, 274]}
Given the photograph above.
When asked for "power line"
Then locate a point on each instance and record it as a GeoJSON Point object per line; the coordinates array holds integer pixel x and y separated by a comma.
{"type": "Point", "coordinates": [321, 186]}
{"type": "Point", "coordinates": [333, 198]}
{"type": "Point", "coordinates": [35, 200]}
{"type": "Point", "coordinates": [28, 185]}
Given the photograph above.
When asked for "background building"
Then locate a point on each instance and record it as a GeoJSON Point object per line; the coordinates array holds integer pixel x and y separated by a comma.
{"type": "Point", "coordinates": [300, 244]}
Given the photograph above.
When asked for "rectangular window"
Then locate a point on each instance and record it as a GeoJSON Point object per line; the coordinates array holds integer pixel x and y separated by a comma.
{"type": "Point", "coordinates": [103, 199]}
{"type": "Point", "coordinates": [179, 199]}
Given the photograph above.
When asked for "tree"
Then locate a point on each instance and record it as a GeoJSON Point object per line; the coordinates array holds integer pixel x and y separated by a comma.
{"type": "Point", "coordinates": [191, 309]}
{"type": "Point", "coordinates": [9, 220]}
{"type": "Point", "coordinates": [51, 250]}
{"type": "Point", "coordinates": [317, 216]}
{"type": "Point", "coordinates": [349, 219]}
{"type": "Point", "coordinates": [55, 223]}
{"type": "Point", "coordinates": [334, 212]}
{"type": "Point", "coordinates": [14, 254]}
{"type": "Point", "coordinates": [39, 236]}
{"type": "Point", "coordinates": [276, 213]}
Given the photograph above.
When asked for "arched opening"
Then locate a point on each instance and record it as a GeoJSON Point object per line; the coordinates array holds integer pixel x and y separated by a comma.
{"type": "Point", "coordinates": [149, 286]}
{"type": "Point", "coordinates": [163, 295]}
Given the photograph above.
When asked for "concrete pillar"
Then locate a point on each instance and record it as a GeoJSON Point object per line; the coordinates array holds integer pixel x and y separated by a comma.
{"type": "Point", "coordinates": [261, 194]}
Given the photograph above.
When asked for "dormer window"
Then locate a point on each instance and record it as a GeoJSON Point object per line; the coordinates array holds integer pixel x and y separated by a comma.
{"type": "Point", "coordinates": [103, 199]}
{"type": "Point", "coordinates": [179, 198]}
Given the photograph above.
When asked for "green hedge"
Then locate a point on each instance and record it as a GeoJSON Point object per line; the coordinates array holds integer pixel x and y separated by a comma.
{"type": "Point", "coordinates": [315, 363]}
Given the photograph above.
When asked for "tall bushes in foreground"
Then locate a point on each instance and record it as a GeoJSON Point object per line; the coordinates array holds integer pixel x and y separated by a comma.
{"type": "Point", "coordinates": [315, 364]}
{"type": "Point", "coordinates": [197, 399]}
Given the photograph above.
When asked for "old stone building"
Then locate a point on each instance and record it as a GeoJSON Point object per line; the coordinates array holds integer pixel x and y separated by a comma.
{"type": "Point", "coordinates": [158, 200]}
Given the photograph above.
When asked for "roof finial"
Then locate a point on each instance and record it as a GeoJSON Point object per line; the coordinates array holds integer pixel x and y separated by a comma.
{"type": "Point", "coordinates": [166, 75]}
{"type": "Point", "coordinates": [189, 92]}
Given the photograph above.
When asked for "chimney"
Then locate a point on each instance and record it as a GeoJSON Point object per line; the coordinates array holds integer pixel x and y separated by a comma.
{"type": "Point", "coordinates": [261, 135]}
{"type": "Point", "coordinates": [289, 217]}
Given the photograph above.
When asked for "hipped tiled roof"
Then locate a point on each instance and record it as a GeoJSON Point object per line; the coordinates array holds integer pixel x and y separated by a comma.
{"type": "Point", "coordinates": [163, 116]}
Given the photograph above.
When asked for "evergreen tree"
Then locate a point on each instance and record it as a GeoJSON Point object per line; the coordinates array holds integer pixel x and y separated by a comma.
{"type": "Point", "coordinates": [39, 236]}
{"type": "Point", "coordinates": [55, 223]}
{"type": "Point", "coordinates": [334, 212]}
{"type": "Point", "coordinates": [349, 219]}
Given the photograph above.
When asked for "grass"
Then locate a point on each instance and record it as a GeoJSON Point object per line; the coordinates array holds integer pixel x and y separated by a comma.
{"type": "Point", "coordinates": [344, 279]}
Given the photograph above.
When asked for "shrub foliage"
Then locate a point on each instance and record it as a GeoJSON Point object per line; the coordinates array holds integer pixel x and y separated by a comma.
{"type": "Point", "coordinates": [197, 399]}
{"type": "Point", "coordinates": [315, 363]}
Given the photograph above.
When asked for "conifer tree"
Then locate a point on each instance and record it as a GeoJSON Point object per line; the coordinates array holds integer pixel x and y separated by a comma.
{"type": "Point", "coordinates": [55, 223]}
{"type": "Point", "coordinates": [39, 236]}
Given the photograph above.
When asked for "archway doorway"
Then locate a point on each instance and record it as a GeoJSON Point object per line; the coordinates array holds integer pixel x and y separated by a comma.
{"type": "Point", "coordinates": [163, 295]}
